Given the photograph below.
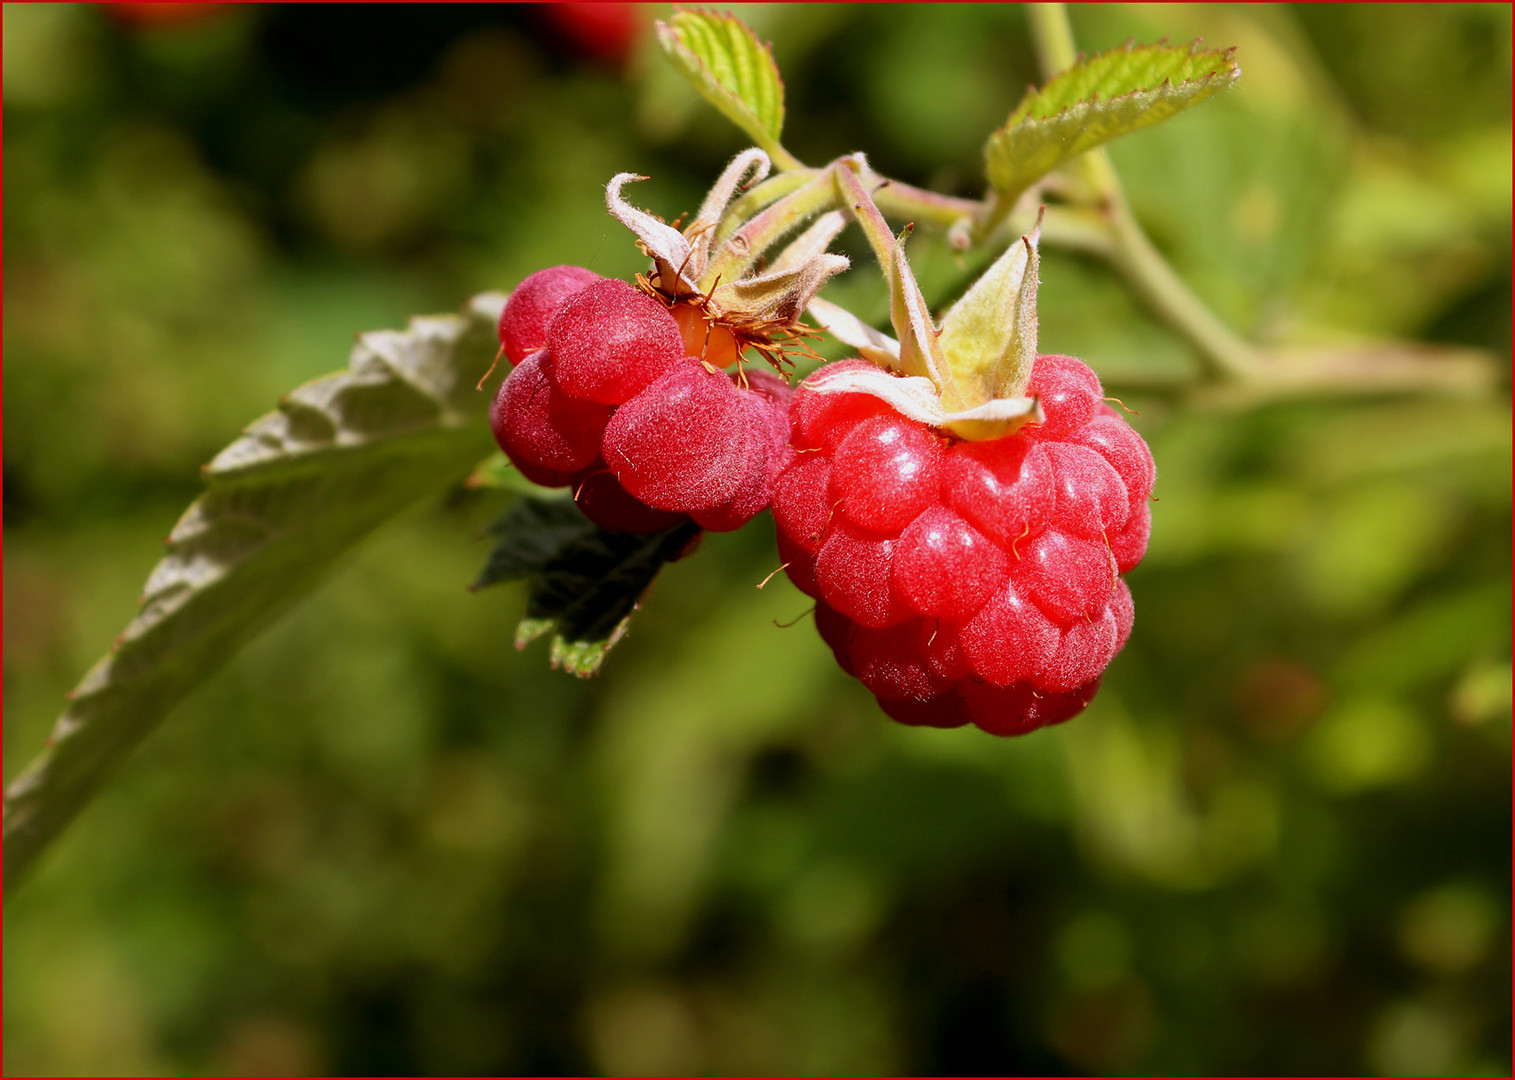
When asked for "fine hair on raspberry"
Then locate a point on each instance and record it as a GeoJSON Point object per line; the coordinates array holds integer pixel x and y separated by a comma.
{"type": "Point", "coordinates": [969, 581]}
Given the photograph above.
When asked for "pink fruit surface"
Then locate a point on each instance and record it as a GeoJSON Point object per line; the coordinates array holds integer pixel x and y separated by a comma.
{"type": "Point", "coordinates": [969, 582]}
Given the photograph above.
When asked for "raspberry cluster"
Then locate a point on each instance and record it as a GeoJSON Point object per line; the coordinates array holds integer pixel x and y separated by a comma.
{"type": "Point", "coordinates": [623, 398]}
{"type": "Point", "coordinates": [969, 581]}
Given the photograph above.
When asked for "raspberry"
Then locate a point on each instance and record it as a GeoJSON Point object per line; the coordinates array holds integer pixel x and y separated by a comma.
{"type": "Point", "coordinates": [533, 303]}
{"type": "Point", "coordinates": [610, 506]}
{"type": "Point", "coordinates": [612, 341]}
{"type": "Point", "coordinates": [968, 582]}
{"type": "Point", "coordinates": [618, 407]}
{"type": "Point", "coordinates": [538, 423]}
{"type": "Point", "coordinates": [944, 566]}
{"type": "Point", "coordinates": [688, 441]}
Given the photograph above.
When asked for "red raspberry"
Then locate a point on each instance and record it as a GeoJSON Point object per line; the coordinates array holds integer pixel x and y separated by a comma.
{"type": "Point", "coordinates": [612, 341]}
{"type": "Point", "coordinates": [610, 506]}
{"type": "Point", "coordinates": [533, 303]}
{"type": "Point", "coordinates": [617, 407]}
{"type": "Point", "coordinates": [969, 582]}
{"type": "Point", "coordinates": [541, 425]}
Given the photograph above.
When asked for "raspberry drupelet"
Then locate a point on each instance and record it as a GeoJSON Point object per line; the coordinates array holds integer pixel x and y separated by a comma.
{"type": "Point", "coordinates": [968, 582]}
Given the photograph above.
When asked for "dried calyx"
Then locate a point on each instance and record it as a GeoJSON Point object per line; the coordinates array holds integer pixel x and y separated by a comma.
{"type": "Point", "coordinates": [723, 289]}
{"type": "Point", "coordinates": [970, 375]}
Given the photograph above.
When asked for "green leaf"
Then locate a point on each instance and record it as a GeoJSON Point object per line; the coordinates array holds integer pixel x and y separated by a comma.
{"type": "Point", "coordinates": [1097, 99]}
{"type": "Point", "coordinates": [584, 581]}
{"type": "Point", "coordinates": [732, 69]}
{"type": "Point", "coordinates": [529, 535]}
{"type": "Point", "coordinates": [301, 486]}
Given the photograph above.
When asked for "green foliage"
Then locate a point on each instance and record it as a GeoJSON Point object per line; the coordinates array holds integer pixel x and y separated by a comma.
{"type": "Point", "coordinates": [1099, 99]}
{"type": "Point", "coordinates": [732, 69]}
{"type": "Point", "coordinates": [302, 485]}
{"type": "Point", "coordinates": [584, 582]}
{"type": "Point", "coordinates": [381, 841]}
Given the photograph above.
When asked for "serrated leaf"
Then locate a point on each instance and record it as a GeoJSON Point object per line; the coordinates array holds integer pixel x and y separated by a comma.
{"type": "Point", "coordinates": [301, 486]}
{"type": "Point", "coordinates": [1098, 99]}
{"type": "Point", "coordinates": [584, 581]}
{"type": "Point", "coordinates": [734, 71]}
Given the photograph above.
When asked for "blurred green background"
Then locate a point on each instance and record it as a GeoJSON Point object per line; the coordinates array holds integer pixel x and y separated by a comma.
{"type": "Point", "coordinates": [383, 841]}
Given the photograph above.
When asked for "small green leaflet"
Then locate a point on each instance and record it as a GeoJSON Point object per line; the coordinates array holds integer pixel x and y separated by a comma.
{"type": "Point", "coordinates": [1097, 99]}
{"type": "Point", "coordinates": [584, 582]}
{"type": "Point", "coordinates": [733, 70]}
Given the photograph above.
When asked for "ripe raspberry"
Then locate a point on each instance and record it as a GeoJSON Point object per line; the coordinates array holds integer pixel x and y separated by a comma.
{"type": "Point", "coordinates": [533, 303]}
{"type": "Point", "coordinates": [618, 407]}
{"type": "Point", "coordinates": [612, 341]}
{"type": "Point", "coordinates": [969, 582]}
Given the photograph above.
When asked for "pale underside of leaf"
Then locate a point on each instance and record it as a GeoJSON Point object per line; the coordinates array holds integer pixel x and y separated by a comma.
{"type": "Point", "coordinates": [301, 486]}
{"type": "Point", "coordinates": [1098, 99]}
{"type": "Point", "coordinates": [732, 69]}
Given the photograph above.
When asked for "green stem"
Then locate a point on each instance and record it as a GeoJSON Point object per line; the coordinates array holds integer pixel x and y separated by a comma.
{"type": "Point", "coordinates": [852, 186]}
{"type": "Point", "coordinates": [1143, 266]}
{"type": "Point", "coordinates": [1130, 251]}
{"type": "Point", "coordinates": [922, 206]}
{"type": "Point", "coordinates": [1053, 38]}
{"type": "Point", "coordinates": [782, 159]}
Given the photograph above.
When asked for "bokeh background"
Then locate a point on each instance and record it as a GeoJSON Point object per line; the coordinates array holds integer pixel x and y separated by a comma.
{"type": "Point", "coordinates": [383, 841]}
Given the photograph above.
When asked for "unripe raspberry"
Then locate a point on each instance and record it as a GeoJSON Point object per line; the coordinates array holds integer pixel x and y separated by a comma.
{"type": "Point", "coordinates": [968, 581]}
{"type": "Point", "coordinates": [533, 303]}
